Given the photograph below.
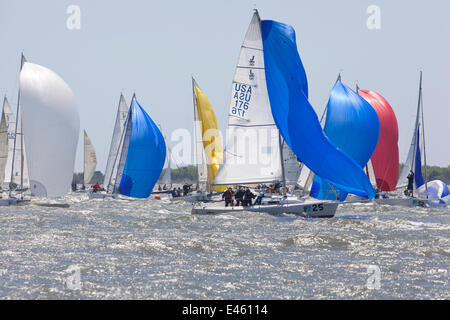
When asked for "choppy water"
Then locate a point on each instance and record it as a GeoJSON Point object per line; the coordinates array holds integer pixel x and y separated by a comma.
{"type": "Point", "coordinates": [152, 249]}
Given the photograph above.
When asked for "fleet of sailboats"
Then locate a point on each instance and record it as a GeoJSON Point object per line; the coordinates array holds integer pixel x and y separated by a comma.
{"type": "Point", "coordinates": [273, 136]}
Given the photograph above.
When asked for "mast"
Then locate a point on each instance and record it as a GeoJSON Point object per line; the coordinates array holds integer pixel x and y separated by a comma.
{"type": "Point", "coordinates": [22, 61]}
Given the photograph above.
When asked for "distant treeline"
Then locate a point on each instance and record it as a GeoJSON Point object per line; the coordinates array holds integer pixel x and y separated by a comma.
{"type": "Point", "coordinates": [189, 174]}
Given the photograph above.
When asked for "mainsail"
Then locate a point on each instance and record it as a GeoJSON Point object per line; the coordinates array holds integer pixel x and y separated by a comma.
{"type": "Point", "coordinates": [252, 154]}
{"type": "Point", "coordinates": [167, 177]}
{"type": "Point", "coordinates": [10, 125]}
{"type": "Point", "coordinates": [90, 159]}
{"type": "Point", "coordinates": [112, 163]}
{"type": "Point", "coordinates": [3, 145]}
{"type": "Point", "coordinates": [211, 150]}
{"type": "Point", "coordinates": [385, 159]}
{"type": "Point", "coordinates": [51, 127]}
{"type": "Point", "coordinates": [413, 162]}
{"type": "Point", "coordinates": [297, 120]}
{"type": "Point", "coordinates": [142, 156]}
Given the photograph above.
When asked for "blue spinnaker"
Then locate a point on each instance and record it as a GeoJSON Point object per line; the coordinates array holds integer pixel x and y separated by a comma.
{"type": "Point", "coordinates": [295, 117]}
{"type": "Point", "coordinates": [353, 125]}
{"type": "Point", "coordinates": [418, 178]}
{"type": "Point", "coordinates": [145, 157]}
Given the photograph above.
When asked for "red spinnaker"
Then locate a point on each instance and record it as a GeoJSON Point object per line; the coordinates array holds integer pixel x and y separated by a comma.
{"type": "Point", "coordinates": [385, 158]}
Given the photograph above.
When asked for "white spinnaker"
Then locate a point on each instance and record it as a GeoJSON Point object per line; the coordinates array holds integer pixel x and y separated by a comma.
{"type": "Point", "coordinates": [3, 146]}
{"type": "Point", "coordinates": [113, 162]}
{"type": "Point", "coordinates": [252, 153]}
{"type": "Point", "coordinates": [90, 159]}
{"type": "Point", "coordinates": [51, 125]}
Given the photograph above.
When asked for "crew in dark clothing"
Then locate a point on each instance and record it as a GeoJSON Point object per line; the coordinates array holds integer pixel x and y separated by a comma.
{"type": "Point", "coordinates": [228, 196]}
{"type": "Point", "coordinates": [248, 197]}
{"type": "Point", "coordinates": [83, 187]}
{"type": "Point", "coordinates": [159, 188]}
{"type": "Point", "coordinates": [74, 186]}
{"type": "Point", "coordinates": [186, 189]}
{"type": "Point", "coordinates": [410, 178]}
{"type": "Point", "coordinates": [239, 196]}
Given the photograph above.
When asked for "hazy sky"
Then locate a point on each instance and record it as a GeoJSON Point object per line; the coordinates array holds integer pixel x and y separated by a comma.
{"type": "Point", "coordinates": [153, 47]}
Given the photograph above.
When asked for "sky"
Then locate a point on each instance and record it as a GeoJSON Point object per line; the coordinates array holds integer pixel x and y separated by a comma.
{"type": "Point", "coordinates": [153, 48]}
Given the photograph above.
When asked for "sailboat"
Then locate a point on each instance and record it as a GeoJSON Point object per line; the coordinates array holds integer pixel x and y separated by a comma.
{"type": "Point", "coordinates": [114, 149]}
{"type": "Point", "coordinates": [269, 104]}
{"type": "Point", "coordinates": [385, 163]}
{"type": "Point", "coordinates": [90, 160]}
{"type": "Point", "coordinates": [15, 173]}
{"type": "Point", "coordinates": [45, 135]}
{"type": "Point", "coordinates": [208, 148]}
{"type": "Point", "coordinates": [140, 157]}
{"type": "Point", "coordinates": [51, 124]}
{"type": "Point", "coordinates": [413, 165]}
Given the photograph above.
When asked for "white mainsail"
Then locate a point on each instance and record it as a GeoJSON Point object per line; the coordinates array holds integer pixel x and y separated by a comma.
{"type": "Point", "coordinates": [17, 161]}
{"type": "Point", "coordinates": [123, 151]}
{"type": "Point", "coordinates": [291, 166]}
{"type": "Point", "coordinates": [252, 153]}
{"type": "Point", "coordinates": [11, 127]}
{"type": "Point", "coordinates": [417, 143]}
{"type": "Point", "coordinates": [90, 159]}
{"type": "Point", "coordinates": [112, 164]}
{"type": "Point", "coordinates": [51, 125]}
{"type": "Point", "coordinates": [3, 146]}
{"type": "Point", "coordinates": [167, 177]}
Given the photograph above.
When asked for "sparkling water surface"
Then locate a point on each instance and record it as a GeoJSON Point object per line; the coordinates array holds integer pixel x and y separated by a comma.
{"type": "Point", "coordinates": [155, 249]}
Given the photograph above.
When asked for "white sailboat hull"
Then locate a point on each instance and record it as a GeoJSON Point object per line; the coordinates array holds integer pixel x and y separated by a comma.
{"type": "Point", "coordinates": [309, 209]}
{"type": "Point", "coordinates": [194, 197]}
{"type": "Point", "coordinates": [8, 201]}
{"type": "Point", "coordinates": [100, 195]}
{"type": "Point", "coordinates": [405, 202]}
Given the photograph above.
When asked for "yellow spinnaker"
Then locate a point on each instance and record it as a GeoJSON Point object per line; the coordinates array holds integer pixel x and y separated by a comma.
{"type": "Point", "coordinates": [210, 133]}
